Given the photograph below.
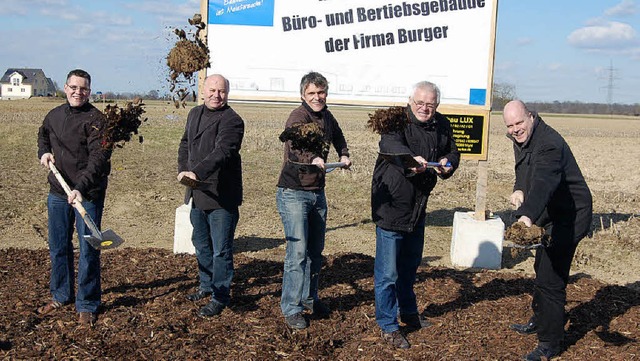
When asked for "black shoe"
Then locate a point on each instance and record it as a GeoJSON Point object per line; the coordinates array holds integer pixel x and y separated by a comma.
{"type": "Point", "coordinates": [199, 295]}
{"type": "Point", "coordinates": [528, 328]}
{"type": "Point", "coordinates": [544, 349]}
{"type": "Point", "coordinates": [396, 339]}
{"type": "Point", "coordinates": [211, 309]}
{"type": "Point", "coordinates": [415, 321]}
{"type": "Point", "coordinates": [296, 321]}
{"type": "Point", "coordinates": [318, 308]}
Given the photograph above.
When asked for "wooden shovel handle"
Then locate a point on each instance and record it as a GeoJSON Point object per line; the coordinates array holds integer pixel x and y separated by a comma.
{"type": "Point", "coordinates": [67, 190]}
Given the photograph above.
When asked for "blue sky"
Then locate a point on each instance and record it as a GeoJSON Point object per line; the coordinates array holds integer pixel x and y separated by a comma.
{"type": "Point", "coordinates": [564, 50]}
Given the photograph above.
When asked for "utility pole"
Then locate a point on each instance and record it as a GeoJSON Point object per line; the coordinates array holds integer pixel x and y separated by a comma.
{"type": "Point", "coordinates": [610, 86]}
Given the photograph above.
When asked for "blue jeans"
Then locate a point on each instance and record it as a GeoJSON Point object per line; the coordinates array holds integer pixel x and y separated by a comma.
{"type": "Point", "coordinates": [304, 217]}
{"type": "Point", "coordinates": [398, 255]}
{"type": "Point", "coordinates": [62, 284]}
{"type": "Point", "coordinates": [212, 237]}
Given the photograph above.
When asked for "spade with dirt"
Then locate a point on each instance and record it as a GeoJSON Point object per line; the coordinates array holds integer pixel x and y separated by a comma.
{"type": "Point", "coordinates": [518, 235]}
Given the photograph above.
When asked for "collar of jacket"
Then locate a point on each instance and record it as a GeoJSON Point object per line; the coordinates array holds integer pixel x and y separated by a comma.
{"type": "Point", "coordinates": [207, 110]}
{"type": "Point", "coordinates": [83, 108]}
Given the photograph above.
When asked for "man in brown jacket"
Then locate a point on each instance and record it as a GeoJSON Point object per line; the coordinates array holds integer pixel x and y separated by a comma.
{"type": "Point", "coordinates": [301, 200]}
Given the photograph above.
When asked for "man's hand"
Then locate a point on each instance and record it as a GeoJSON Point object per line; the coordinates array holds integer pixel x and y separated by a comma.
{"type": "Point", "coordinates": [526, 220]}
{"type": "Point", "coordinates": [443, 169]}
{"type": "Point", "coordinates": [45, 159]}
{"type": "Point", "coordinates": [319, 162]}
{"type": "Point", "coordinates": [75, 196]}
{"type": "Point", "coordinates": [188, 175]}
{"type": "Point", "coordinates": [516, 199]}
{"type": "Point", "coordinates": [423, 165]}
{"type": "Point", "coordinates": [347, 162]}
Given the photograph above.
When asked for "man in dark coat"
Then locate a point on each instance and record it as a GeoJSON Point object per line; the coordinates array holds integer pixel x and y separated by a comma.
{"type": "Point", "coordinates": [398, 205]}
{"type": "Point", "coordinates": [71, 137]}
{"type": "Point", "coordinates": [210, 152]}
{"type": "Point", "coordinates": [550, 192]}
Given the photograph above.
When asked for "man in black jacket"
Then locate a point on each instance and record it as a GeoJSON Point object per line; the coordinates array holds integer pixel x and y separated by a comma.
{"type": "Point", "coordinates": [398, 205]}
{"type": "Point", "coordinates": [550, 192]}
{"type": "Point", "coordinates": [71, 137]}
{"type": "Point", "coordinates": [210, 152]}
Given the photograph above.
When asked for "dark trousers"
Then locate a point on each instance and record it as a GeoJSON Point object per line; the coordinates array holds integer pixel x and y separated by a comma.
{"type": "Point", "coordinates": [552, 266]}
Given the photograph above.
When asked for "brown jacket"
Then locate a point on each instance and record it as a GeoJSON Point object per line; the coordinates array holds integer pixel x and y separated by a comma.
{"type": "Point", "coordinates": [297, 171]}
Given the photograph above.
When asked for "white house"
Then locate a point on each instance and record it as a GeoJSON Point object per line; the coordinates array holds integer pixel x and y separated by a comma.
{"type": "Point", "coordinates": [25, 83]}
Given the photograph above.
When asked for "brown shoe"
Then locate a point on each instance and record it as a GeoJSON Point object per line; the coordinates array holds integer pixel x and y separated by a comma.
{"type": "Point", "coordinates": [87, 318]}
{"type": "Point", "coordinates": [396, 339]}
{"type": "Point", "coordinates": [49, 307]}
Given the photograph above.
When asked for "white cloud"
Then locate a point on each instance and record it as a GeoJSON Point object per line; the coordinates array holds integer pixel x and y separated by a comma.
{"type": "Point", "coordinates": [524, 41]}
{"type": "Point", "coordinates": [624, 8]}
{"type": "Point", "coordinates": [554, 66]}
{"type": "Point", "coordinates": [168, 11]}
{"type": "Point", "coordinates": [612, 35]}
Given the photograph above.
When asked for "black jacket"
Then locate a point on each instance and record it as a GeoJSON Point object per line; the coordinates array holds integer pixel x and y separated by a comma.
{"type": "Point", "coordinates": [210, 147]}
{"type": "Point", "coordinates": [398, 197]}
{"type": "Point", "coordinates": [74, 137]}
{"type": "Point", "coordinates": [555, 192]}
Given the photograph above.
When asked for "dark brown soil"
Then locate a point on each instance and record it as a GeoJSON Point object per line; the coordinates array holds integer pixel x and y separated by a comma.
{"type": "Point", "coordinates": [189, 55]}
{"type": "Point", "coordinates": [520, 234]}
{"type": "Point", "coordinates": [145, 315]}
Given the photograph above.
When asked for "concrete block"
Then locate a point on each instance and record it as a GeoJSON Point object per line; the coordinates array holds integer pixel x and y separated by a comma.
{"type": "Point", "coordinates": [476, 243]}
{"type": "Point", "coordinates": [183, 230]}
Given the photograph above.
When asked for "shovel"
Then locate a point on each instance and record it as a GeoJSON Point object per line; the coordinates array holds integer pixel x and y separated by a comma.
{"type": "Point", "coordinates": [98, 240]}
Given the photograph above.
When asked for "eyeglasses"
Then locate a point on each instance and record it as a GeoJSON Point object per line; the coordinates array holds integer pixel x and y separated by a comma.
{"type": "Point", "coordinates": [79, 89]}
{"type": "Point", "coordinates": [423, 104]}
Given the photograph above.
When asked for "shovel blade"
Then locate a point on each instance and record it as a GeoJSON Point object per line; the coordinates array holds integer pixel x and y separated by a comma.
{"type": "Point", "coordinates": [109, 240]}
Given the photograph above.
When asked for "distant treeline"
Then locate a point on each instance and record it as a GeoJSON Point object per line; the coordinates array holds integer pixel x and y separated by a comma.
{"type": "Point", "coordinates": [500, 98]}
{"type": "Point", "coordinates": [578, 108]}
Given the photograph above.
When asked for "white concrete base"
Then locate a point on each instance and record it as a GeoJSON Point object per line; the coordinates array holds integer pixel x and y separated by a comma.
{"type": "Point", "coordinates": [183, 230]}
{"type": "Point", "coordinates": [476, 243]}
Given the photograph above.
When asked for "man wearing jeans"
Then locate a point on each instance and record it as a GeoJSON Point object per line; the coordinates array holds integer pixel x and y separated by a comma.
{"type": "Point", "coordinates": [398, 204]}
{"type": "Point", "coordinates": [210, 152]}
{"type": "Point", "coordinates": [301, 201]}
{"type": "Point", "coordinates": [71, 137]}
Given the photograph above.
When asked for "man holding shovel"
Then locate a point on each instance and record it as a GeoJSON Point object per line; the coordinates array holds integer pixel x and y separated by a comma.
{"type": "Point", "coordinates": [550, 192]}
{"type": "Point", "coordinates": [71, 138]}
{"type": "Point", "coordinates": [209, 163]}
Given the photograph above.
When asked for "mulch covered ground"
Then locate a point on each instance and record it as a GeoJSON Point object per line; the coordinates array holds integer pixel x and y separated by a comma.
{"type": "Point", "coordinates": [146, 316]}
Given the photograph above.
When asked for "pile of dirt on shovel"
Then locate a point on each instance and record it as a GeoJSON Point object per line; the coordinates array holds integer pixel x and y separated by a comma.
{"type": "Point", "coordinates": [520, 234]}
{"type": "Point", "coordinates": [189, 55]}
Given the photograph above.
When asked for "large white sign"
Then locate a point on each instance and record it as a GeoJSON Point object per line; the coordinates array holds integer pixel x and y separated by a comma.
{"type": "Point", "coordinates": [371, 51]}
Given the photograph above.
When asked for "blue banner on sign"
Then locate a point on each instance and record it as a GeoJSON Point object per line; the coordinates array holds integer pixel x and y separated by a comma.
{"type": "Point", "coordinates": [241, 12]}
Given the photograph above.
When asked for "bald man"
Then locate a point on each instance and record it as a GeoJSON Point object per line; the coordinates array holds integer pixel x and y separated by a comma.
{"type": "Point", "coordinates": [209, 151]}
{"type": "Point", "coordinates": [550, 192]}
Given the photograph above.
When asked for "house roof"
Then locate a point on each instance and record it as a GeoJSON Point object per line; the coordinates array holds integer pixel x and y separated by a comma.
{"type": "Point", "coordinates": [29, 74]}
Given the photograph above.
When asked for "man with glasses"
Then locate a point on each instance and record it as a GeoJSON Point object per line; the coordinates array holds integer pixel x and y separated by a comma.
{"type": "Point", "coordinates": [398, 206]}
{"type": "Point", "coordinates": [71, 138]}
